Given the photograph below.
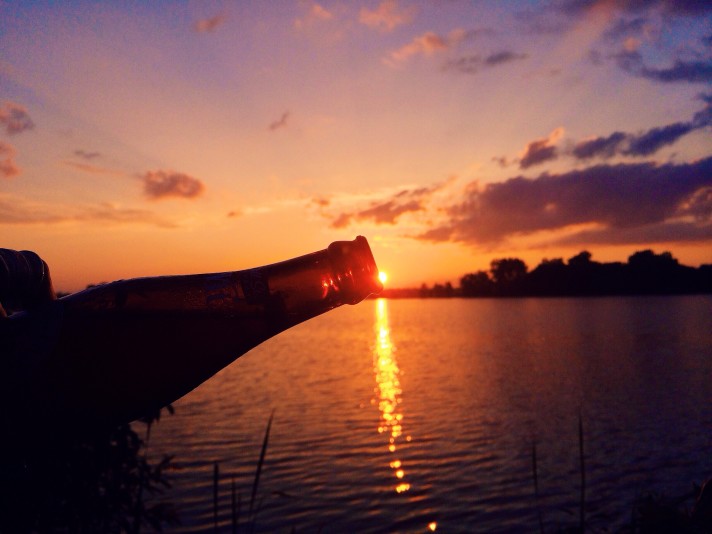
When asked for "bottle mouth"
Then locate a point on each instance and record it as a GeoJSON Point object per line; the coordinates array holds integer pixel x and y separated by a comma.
{"type": "Point", "coordinates": [355, 269]}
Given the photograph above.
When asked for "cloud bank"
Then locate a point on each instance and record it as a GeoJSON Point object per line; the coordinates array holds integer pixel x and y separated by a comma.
{"type": "Point", "coordinates": [625, 203]}
{"type": "Point", "coordinates": [17, 210]}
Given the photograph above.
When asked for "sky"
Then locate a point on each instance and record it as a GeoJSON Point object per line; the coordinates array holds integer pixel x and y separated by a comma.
{"type": "Point", "coordinates": [150, 138]}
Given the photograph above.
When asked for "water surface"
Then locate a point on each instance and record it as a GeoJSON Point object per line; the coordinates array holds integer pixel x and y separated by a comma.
{"type": "Point", "coordinates": [413, 415]}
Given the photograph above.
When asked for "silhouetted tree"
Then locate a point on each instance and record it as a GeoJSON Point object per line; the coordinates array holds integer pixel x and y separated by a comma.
{"type": "Point", "coordinates": [645, 273]}
{"type": "Point", "coordinates": [657, 273]}
{"type": "Point", "coordinates": [478, 284]}
{"type": "Point", "coordinates": [582, 259]}
{"type": "Point", "coordinates": [508, 275]}
{"type": "Point", "coordinates": [550, 277]}
{"type": "Point", "coordinates": [704, 277]}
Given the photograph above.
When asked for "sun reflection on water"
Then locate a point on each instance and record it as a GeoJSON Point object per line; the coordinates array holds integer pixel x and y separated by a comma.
{"type": "Point", "coordinates": [388, 391]}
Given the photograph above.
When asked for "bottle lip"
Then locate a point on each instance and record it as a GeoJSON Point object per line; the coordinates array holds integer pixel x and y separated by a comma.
{"type": "Point", "coordinates": [356, 267]}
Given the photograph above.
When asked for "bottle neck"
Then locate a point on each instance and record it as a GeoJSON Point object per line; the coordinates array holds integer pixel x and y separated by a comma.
{"type": "Point", "coordinates": [344, 273]}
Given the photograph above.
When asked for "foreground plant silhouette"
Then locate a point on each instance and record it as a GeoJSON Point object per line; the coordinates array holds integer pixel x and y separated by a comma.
{"type": "Point", "coordinates": [97, 482]}
{"type": "Point", "coordinates": [653, 513]}
{"type": "Point", "coordinates": [236, 514]}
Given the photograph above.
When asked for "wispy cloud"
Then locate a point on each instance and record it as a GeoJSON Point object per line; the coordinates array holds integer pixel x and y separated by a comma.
{"type": "Point", "coordinates": [14, 118]}
{"type": "Point", "coordinates": [453, 47]}
{"type": "Point", "coordinates": [8, 168]}
{"type": "Point", "coordinates": [85, 154]}
{"type": "Point", "coordinates": [387, 16]}
{"type": "Point", "coordinates": [279, 123]}
{"type": "Point", "coordinates": [210, 24]}
{"type": "Point", "coordinates": [623, 28]}
{"type": "Point", "coordinates": [315, 14]}
{"type": "Point", "coordinates": [430, 43]}
{"type": "Point", "coordinates": [615, 203]}
{"type": "Point", "coordinates": [166, 184]}
{"type": "Point", "coordinates": [473, 64]}
{"type": "Point", "coordinates": [426, 44]}
{"type": "Point", "coordinates": [91, 169]}
{"type": "Point", "coordinates": [19, 210]}
{"type": "Point", "coordinates": [388, 210]}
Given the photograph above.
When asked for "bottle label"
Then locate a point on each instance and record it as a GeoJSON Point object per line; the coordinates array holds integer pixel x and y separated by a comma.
{"type": "Point", "coordinates": [254, 286]}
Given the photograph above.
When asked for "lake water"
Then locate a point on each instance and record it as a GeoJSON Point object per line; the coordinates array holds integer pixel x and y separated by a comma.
{"type": "Point", "coordinates": [413, 415]}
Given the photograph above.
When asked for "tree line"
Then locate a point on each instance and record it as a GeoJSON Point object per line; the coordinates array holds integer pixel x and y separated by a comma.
{"type": "Point", "coordinates": [645, 273]}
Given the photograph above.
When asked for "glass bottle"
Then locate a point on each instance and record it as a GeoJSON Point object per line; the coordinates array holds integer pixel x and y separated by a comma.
{"type": "Point", "coordinates": [115, 352]}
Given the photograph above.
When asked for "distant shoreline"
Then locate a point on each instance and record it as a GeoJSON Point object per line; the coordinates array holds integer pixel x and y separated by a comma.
{"type": "Point", "coordinates": [414, 293]}
{"type": "Point", "coordinates": [646, 273]}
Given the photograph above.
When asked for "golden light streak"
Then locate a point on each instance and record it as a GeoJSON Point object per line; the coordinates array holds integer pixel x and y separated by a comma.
{"type": "Point", "coordinates": [388, 389]}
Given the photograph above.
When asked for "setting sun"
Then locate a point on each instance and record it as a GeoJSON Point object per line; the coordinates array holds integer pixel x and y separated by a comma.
{"type": "Point", "coordinates": [382, 276]}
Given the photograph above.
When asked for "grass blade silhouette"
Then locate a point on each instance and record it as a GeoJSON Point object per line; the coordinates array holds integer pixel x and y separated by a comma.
{"type": "Point", "coordinates": [582, 466]}
{"type": "Point", "coordinates": [536, 489]}
{"type": "Point", "coordinates": [234, 505]}
{"type": "Point", "coordinates": [260, 463]}
{"type": "Point", "coordinates": [216, 472]}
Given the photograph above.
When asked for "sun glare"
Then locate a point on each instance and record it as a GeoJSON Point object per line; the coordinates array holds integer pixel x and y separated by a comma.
{"type": "Point", "coordinates": [382, 276]}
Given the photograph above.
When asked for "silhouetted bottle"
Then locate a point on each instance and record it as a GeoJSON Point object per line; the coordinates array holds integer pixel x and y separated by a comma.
{"type": "Point", "coordinates": [115, 352]}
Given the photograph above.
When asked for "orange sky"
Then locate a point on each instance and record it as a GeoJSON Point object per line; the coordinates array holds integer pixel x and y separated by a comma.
{"type": "Point", "coordinates": [164, 138]}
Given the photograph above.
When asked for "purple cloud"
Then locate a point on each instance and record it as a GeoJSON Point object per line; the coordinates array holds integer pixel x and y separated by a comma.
{"type": "Point", "coordinates": [605, 147]}
{"type": "Point", "coordinates": [14, 118]}
{"type": "Point", "coordinates": [541, 150]}
{"type": "Point", "coordinates": [164, 184]}
{"type": "Point", "coordinates": [8, 168]}
{"type": "Point", "coordinates": [621, 200]}
{"type": "Point", "coordinates": [645, 143]}
{"type": "Point", "coordinates": [673, 7]}
{"type": "Point", "coordinates": [699, 71]}
{"type": "Point", "coordinates": [656, 138]}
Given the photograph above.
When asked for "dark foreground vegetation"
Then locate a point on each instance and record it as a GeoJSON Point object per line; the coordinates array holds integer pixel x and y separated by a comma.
{"type": "Point", "coordinates": [645, 273]}
{"type": "Point", "coordinates": [88, 482]}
